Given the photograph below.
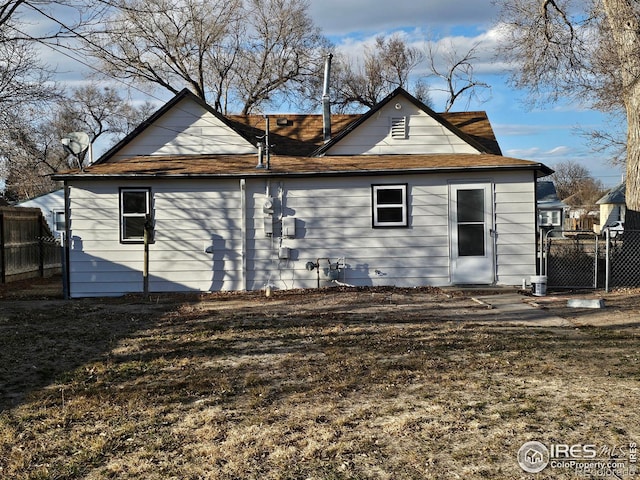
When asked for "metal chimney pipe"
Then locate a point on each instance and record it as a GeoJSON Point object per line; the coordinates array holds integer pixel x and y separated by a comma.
{"type": "Point", "coordinates": [267, 142]}
{"type": "Point", "coordinates": [326, 101]}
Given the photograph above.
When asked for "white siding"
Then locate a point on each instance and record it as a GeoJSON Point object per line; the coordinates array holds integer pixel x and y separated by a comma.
{"type": "Point", "coordinates": [189, 217]}
{"type": "Point", "coordinates": [424, 135]}
{"type": "Point", "coordinates": [187, 129]}
{"type": "Point", "coordinates": [515, 227]}
{"type": "Point", "coordinates": [333, 220]}
{"type": "Point", "coordinates": [49, 204]}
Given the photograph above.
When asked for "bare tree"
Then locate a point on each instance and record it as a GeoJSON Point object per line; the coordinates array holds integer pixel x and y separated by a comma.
{"type": "Point", "coordinates": [30, 146]}
{"type": "Point", "coordinates": [574, 179]}
{"type": "Point", "coordinates": [31, 152]}
{"type": "Point", "coordinates": [241, 53]}
{"type": "Point", "coordinates": [168, 43]}
{"type": "Point", "coordinates": [99, 112]}
{"type": "Point", "coordinates": [24, 82]}
{"type": "Point", "coordinates": [456, 73]}
{"type": "Point", "coordinates": [385, 66]}
{"type": "Point", "coordinates": [390, 62]}
{"type": "Point", "coordinates": [588, 51]}
{"type": "Point", "coordinates": [283, 51]}
{"type": "Point", "coordinates": [26, 92]}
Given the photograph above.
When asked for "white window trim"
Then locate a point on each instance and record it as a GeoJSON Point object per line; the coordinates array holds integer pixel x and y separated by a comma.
{"type": "Point", "coordinates": [55, 214]}
{"type": "Point", "coordinates": [554, 217]}
{"type": "Point", "coordinates": [405, 216]}
{"type": "Point", "coordinates": [123, 215]}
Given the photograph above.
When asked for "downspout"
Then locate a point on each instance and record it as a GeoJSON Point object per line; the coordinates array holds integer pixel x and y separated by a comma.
{"type": "Point", "coordinates": [243, 232]}
{"type": "Point", "coordinates": [326, 101]}
{"type": "Point", "coordinates": [66, 241]}
{"type": "Point", "coordinates": [494, 231]}
{"type": "Point", "coordinates": [145, 268]}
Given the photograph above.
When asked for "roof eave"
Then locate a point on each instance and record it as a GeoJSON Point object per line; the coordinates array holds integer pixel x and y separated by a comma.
{"type": "Point", "coordinates": [540, 169]}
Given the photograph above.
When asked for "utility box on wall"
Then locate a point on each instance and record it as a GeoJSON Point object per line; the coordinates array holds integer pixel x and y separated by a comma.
{"type": "Point", "coordinates": [289, 227]}
{"type": "Point", "coordinates": [267, 211]}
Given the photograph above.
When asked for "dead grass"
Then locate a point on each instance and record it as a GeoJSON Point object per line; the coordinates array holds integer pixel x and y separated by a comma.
{"type": "Point", "coordinates": [317, 385]}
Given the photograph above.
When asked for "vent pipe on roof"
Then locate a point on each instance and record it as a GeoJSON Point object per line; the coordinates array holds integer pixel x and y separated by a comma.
{"type": "Point", "coordinates": [264, 147]}
{"type": "Point", "coordinates": [326, 101]}
{"type": "Point", "coordinates": [267, 147]}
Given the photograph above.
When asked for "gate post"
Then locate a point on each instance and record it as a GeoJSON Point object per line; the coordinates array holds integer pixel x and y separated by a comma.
{"type": "Point", "coordinates": [3, 265]}
{"type": "Point", "coordinates": [607, 268]}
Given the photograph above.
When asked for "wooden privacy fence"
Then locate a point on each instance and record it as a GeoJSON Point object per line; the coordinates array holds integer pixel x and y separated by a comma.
{"type": "Point", "coordinates": [27, 247]}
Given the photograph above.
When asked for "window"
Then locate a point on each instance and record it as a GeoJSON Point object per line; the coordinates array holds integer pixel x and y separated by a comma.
{"type": "Point", "coordinates": [470, 214]}
{"type": "Point", "coordinates": [58, 221]}
{"type": "Point", "coordinates": [550, 217]}
{"type": "Point", "coordinates": [135, 209]}
{"type": "Point", "coordinates": [389, 205]}
{"type": "Point", "coordinates": [399, 127]}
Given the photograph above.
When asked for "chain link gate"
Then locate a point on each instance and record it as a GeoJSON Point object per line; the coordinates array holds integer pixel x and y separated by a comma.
{"type": "Point", "coordinates": [623, 259]}
{"type": "Point", "coordinates": [573, 259]}
{"type": "Point", "coordinates": [583, 259]}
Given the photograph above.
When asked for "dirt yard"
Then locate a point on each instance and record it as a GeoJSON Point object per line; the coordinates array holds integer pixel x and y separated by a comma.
{"type": "Point", "coordinates": [321, 384]}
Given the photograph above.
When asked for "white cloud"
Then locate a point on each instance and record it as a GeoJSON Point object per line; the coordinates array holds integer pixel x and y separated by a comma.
{"type": "Point", "coordinates": [339, 17]}
{"type": "Point", "coordinates": [561, 150]}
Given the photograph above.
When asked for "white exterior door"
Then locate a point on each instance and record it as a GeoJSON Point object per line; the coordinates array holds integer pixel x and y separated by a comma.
{"type": "Point", "coordinates": [471, 233]}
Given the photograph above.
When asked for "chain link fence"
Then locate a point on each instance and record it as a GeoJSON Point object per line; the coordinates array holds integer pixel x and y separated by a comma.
{"type": "Point", "coordinates": [573, 259]}
{"type": "Point", "coordinates": [623, 259]}
{"type": "Point", "coordinates": [583, 259]}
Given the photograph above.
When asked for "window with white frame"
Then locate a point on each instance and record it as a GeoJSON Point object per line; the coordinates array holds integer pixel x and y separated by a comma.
{"type": "Point", "coordinates": [550, 217]}
{"type": "Point", "coordinates": [135, 210]}
{"type": "Point", "coordinates": [58, 221]}
{"type": "Point", "coordinates": [389, 205]}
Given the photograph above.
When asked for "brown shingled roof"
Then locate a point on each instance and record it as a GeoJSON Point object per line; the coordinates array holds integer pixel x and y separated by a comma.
{"type": "Point", "coordinates": [290, 134]}
{"type": "Point", "coordinates": [245, 165]}
{"type": "Point", "coordinates": [293, 134]}
{"type": "Point", "coordinates": [477, 126]}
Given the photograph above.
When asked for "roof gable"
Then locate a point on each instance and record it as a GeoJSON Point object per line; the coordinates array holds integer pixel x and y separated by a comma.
{"type": "Point", "coordinates": [614, 196]}
{"type": "Point", "coordinates": [401, 124]}
{"type": "Point", "coordinates": [185, 125]}
{"type": "Point", "coordinates": [547, 196]}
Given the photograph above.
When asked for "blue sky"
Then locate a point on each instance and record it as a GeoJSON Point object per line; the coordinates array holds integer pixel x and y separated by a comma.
{"type": "Point", "coordinates": [548, 135]}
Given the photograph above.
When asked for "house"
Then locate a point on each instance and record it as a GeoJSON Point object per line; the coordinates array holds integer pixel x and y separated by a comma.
{"type": "Point", "coordinates": [613, 206]}
{"type": "Point", "coordinates": [52, 206]}
{"type": "Point", "coordinates": [398, 196]}
{"type": "Point", "coordinates": [551, 211]}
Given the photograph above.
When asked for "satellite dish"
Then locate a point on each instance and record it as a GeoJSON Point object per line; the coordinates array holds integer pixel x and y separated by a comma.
{"type": "Point", "coordinates": [76, 143]}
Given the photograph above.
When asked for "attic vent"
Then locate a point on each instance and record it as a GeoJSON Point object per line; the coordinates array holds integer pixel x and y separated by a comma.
{"type": "Point", "coordinates": [398, 127]}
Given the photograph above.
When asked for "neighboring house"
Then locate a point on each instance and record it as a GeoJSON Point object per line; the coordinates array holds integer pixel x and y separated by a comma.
{"type": "Point", "coordinates": [551, 211]}
{"type": "Point", "coordinates": [613, 206]}
{"type": "Point", "coordinates": [399, 196]}
{"type": "Point", "coordinates": [52, 206]}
